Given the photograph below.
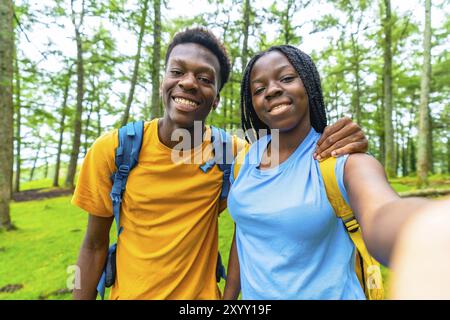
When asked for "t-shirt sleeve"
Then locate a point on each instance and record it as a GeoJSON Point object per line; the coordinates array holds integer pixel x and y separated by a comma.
{"type": "Point", "coordinates": [339, 171]}
{"type": "Point", "coordinates": [94, 183]}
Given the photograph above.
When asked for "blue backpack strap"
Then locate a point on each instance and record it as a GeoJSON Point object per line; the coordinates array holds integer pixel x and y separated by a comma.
{"type": "Point", "coordinates": [223, 157]}
{"type": "Point", "coordinates": [126, 158]}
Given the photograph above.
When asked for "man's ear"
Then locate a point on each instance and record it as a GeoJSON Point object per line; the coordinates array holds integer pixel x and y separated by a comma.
{"type": "Point", "coordinates": [216, 102]}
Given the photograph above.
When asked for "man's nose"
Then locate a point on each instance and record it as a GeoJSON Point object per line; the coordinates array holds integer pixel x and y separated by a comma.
{"type": "Point", "coordinates": [188, 82]}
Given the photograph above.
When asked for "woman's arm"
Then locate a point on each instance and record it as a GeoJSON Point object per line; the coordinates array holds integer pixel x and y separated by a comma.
{"type": "Point", "coordinates": [233, 284]}
{"type": "Point", "coordinates": [421, 256]}
{"type": "Point", "coordinates": [380, 212]}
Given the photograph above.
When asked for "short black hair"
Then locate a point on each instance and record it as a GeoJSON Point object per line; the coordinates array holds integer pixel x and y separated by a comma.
{"type": "Point", "coordinates": [207, 39]}
{"type": "Point", "coordinates": [307, 71]}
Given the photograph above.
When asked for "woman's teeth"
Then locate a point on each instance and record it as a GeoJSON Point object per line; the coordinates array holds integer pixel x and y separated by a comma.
{"type": "Point", "coordinates": [281, 106]}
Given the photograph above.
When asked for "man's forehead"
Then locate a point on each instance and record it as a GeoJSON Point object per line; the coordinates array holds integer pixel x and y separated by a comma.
{"type": "Point", "coordinates": [193, 53]}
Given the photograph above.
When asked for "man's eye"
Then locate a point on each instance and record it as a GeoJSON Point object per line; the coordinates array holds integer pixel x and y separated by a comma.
{"type": "Point", "coordinates": [176, 72]}
{"type": "Point", "coordinates": [205, 80]}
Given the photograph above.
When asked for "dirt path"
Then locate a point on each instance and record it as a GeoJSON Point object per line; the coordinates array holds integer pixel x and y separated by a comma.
{"type": "Point", "coordinates": [37, 194]}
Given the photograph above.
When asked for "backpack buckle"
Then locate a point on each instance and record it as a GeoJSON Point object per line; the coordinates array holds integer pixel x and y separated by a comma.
{"type": "Point", "coordinates": [124, 169]}
{"type": "Point", "coordinates": [351, 224]}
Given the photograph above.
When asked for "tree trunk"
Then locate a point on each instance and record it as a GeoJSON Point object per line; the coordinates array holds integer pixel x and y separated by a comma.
{"type": "Point", "coordinates": [424, 124]}
{"type": "Point", "coordinates": [430, 143]}
{"type": "Point", "coordinates": [287, 22]}
{"type": "Point", "coordinates": [448, 155]}
{"type": "Point", "coordinates": [387, 76]}
{"type": "Point", "coordinates": [71, 171]}
{"type": "Point", "coordinates": [99, 121]}
{"type": "Point", "coordinates": [62, 127]}
{"type": "Point", "coordinates": [356, 96]}
{"type": "Point", "coordinates": [137, 61]}
{"type": "Point", "coordinates": [18, 122]}
{"type": "Point", "coordinates": [45, 163]}
{"type": "Point", "coordinates": [33, 168]}
{"type": "Point", "coordinates": [6, 110]}
{"type": "Point", "coordinates": [86, 130]}
{"type": "Point", "coordinates": [245, 31]}
{"type": "Point", "coordinates": [156, 59]}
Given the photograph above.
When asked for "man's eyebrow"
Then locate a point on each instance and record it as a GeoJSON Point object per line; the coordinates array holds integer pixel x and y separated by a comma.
{"type": "Point", "coordinates": [277, 69]}
{"type": "Point", "coordinates": [203, 68]}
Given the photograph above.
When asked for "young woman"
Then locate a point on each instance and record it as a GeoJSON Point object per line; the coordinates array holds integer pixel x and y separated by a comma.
{"type": "Point", "coordinates": [288, 243]}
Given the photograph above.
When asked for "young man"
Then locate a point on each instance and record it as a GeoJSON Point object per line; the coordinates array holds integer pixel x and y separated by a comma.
{"type": "Point", "coordinates": [169, 244]}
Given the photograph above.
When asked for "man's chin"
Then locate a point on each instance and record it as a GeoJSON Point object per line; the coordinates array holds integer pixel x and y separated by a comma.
{"type": "Point", "coordinates": [182, 120]}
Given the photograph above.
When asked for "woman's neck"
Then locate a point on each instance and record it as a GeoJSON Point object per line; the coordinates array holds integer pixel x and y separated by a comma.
{"type": "Point", "coordinates": [285, 145]}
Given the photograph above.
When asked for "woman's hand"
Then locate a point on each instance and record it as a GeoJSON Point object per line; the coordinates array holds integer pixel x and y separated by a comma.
{"type": "Point", "coordinates": [421, 256]}
{"type": "Point", "coordinates": [342, 137]}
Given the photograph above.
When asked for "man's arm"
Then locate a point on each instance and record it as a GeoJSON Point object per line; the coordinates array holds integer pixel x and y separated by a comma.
{"type": "Point", "coordinates": [233, 284]}
{"type": "Point", "coordinates": [342, 137]}
{"type": "Point", "coordinates": [92, 257]}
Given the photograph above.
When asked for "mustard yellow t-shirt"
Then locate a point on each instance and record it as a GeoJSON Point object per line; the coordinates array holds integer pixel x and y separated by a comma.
{"type": "Point", "coordinates": [169, 244]}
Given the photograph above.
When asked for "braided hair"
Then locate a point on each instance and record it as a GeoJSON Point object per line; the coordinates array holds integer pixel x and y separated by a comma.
{"type": "Point", "coordinates": [309, 75]}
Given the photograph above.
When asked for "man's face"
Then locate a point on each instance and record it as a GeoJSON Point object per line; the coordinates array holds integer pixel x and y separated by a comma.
{"type": "Point", "coordinates": [190, 84]}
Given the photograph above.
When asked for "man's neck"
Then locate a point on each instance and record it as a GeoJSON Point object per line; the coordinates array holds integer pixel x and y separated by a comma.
{"type": "Point", "coordinates": [166, 129]}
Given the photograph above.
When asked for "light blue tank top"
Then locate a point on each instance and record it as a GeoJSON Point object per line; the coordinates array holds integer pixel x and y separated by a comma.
{"type": "Point", "coordinates": [290, 243]}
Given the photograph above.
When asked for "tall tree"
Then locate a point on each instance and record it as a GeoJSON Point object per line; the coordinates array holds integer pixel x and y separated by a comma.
{"type": "Point", "coordinates": [137, 60]}
{"type": "Point", "coordinates": [62, 126]}
{"type": "Point", "coordinates": [387, 80]}
{"type": "Point", "coordinates": [245, 30]}
{"type": "Point", "coordinates": [80, 93]}
{"type": "Point", "coordinates": [156, 59]}
{"type": "Point", "coordinates": [6, 109]}
{"type": "Point", "coordinates": [16, 185]}
{"type": "Point", "coordinates": [424, 122]}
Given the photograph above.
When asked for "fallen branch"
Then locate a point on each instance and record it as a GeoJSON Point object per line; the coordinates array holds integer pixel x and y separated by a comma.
{"type": "Point", "coordinates": [425, 193]}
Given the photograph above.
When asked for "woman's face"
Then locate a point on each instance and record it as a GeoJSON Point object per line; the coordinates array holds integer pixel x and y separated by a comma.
{"type": "Point", "coordinates": [278, 95]}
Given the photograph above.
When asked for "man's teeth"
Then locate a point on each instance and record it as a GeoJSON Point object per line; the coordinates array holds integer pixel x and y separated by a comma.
{"type": "Point", "coordinates": [185, 101]}
{"type": "Point", "coordinates": [280, 106]}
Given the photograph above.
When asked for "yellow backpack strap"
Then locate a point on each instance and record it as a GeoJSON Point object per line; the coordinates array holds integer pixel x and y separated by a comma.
{"type": "Point", "coordinates": [239, 160]}
{"type": "Point", "coordinates": [367, 268]}
{"type": "Point", "coordinates": [341, 208]}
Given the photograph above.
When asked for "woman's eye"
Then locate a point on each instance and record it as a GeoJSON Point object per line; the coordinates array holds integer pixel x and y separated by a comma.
{"type": "Point", "coordinates": [258, 90]}
{"type": "Point", "coordinates": [287, 79]}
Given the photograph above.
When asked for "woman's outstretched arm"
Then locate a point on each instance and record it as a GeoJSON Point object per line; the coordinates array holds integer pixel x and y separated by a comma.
{"type": "Point", "coordinates": [379, 210]}
{"type": "Point", "coordinates": [420, 261]}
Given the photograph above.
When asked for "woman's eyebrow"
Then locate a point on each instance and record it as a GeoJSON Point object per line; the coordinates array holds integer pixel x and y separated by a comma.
{"type": "Point", "coordinates": [276, 69]}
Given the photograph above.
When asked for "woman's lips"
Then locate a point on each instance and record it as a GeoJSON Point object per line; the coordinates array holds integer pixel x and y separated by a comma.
{"type": "Point", "coordinates": [279, 109]}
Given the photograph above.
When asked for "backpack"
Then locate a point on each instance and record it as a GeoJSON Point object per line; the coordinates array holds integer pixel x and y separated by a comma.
{"type": "Point", "coordinates": [127, 157]}
{"type": "Point", "coordinates": [367, 268]}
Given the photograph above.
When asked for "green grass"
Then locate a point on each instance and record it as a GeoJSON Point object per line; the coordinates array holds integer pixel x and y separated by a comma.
{"type": "Point", "coordinates": [46, 244]}
{"type": "Point", "coordinates": [50, 233]}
